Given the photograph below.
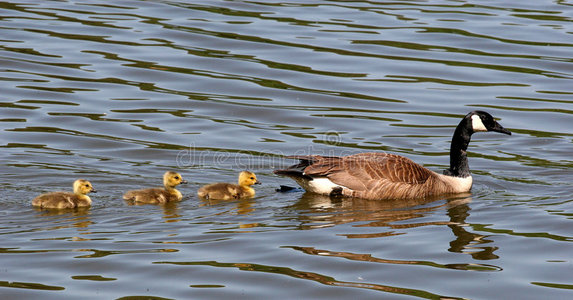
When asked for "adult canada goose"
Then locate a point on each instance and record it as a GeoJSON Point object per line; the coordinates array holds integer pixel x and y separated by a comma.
{"type": "Point", "coordinates": [78, 198]}
{"type": "Point", "coordinates": [390, 176]}
{"type": "Point", "coordinates": [159, 195]}
{"type": "Point", "coordinates": [229, 191]}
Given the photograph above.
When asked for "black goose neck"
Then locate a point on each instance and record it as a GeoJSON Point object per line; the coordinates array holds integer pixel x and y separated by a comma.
{"type": "Point", "coordinates": [459, 166]}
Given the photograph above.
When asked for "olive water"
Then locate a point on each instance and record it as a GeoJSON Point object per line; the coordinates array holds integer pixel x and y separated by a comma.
{"type": "Point", "coordinates": [118, 92]}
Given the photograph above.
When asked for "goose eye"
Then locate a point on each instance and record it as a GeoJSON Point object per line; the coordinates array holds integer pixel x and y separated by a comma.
{"type": "Point", "coordinates": [87, 185]}
{"type": "Point", "coordinates": [176, 177]}
{"type": "Point", "coordinates": [253, 178]}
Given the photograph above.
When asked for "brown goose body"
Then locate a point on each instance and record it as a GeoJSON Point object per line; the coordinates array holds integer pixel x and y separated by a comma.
{"type": "Point", "coordinates": [381, 176]}
{"type": "Point", "coordinates": [372, 176]}
{"type": "Point", "coordinates": [229, 191]}
{"type": "Point", "coordinates": [158, 195]}
{"type": "Point", "coordinates": [62, 200]}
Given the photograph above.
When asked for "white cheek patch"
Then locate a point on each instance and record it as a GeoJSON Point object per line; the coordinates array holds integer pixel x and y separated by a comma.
{"type": "Point", "coordinates": [477, 124]}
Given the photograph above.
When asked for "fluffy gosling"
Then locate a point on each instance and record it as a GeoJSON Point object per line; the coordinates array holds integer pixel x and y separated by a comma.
{"type": "Point", "coordinates": [159, 195]}
{"type": "Point", "coordinates": [61, 200]}
{"type": "Point", "coordinates": [229, 191]}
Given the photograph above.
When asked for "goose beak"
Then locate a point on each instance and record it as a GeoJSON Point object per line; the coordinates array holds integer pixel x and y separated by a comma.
{"type": "Point", "coordinates": [93, 191]}
{"type": "Point", "coordinates": [257, 182]}
{"type": "Point", "coordinates": [183, 181]}
{"type": "Point", "coordinates": [498, 128]}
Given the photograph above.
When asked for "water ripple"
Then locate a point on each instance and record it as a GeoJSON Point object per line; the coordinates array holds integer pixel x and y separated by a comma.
{"type": "Point", "coordinates": [117, 93]}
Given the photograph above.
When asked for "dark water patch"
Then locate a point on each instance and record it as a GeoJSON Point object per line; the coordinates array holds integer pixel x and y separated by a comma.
{"type": "Point", "coordinates": [93, 278]}
{"type": "Point", "coordinates": [30, 285]}
{"type": "Point", "coordinates": [554, 285]}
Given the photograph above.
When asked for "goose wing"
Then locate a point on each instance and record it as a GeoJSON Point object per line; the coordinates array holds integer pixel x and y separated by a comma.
{"type": "Point", "coordinates": [364, 171]}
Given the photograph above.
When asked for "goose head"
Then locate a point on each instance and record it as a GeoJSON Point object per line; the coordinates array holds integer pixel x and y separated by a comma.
{"type": "Point", "coordinates": [247, 178]}
{"type": "Point", "coordinates": [83, 187]}
{"type": "Point", "coordinates": [172, 179]}
{"type": "Point", "coordinates": [481, 121]}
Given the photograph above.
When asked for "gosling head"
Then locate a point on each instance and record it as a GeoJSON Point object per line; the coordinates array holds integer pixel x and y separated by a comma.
{"type": "Point", "coordinates": [172, 179]}
{"type": "Point", "coordinates": [83, 187]}
{"type": "Point", "coordinates": [247, 178]}
{"type": "Point", "coordinates": [482, 121]}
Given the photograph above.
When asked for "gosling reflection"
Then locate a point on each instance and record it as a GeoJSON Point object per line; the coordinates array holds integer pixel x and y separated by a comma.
{"type": "Point", "coordinates": [243, 206]}
{"type": "Point", "coordinates": [171, 212]}
{"type": "Point", "coordinates": [80, 218]}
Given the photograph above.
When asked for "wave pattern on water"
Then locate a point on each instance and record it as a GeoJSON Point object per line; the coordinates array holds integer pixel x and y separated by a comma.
{"type": "Point", "coordinates": [119, 92]}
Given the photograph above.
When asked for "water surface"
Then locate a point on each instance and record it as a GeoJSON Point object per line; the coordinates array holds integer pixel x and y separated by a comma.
{"type": "Point", "coordinates": [119, 92]}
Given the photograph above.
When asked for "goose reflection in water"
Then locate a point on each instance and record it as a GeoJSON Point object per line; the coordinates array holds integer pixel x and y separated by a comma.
{"type": "Point", "coordinates": [324, 211]}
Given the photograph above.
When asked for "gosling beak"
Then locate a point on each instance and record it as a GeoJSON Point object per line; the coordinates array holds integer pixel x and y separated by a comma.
{"type": "Point", "coordinates": [183, 181]}
{"type": "Point", "coordinates": [257, 182]}
{"type": "Point", "coordinates": [93, 191]}
{"type": "Point", "coordinates": [498, 128]}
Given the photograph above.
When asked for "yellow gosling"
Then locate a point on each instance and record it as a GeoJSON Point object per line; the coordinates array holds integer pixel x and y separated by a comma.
{"type": "Point", "coordinates": [229, 191]}
{"type": "Point", "coordinates": [159, 195]}
{"type": "Point", "coordinates": [61, 200]}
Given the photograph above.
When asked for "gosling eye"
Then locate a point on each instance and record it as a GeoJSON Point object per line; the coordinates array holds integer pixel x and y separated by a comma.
{"type": "Point", "coordinates": [87, 185]}
{"type": "Point", "coordinates": [176, 177]}
{"type": "Point", "coordinates": [253, 178]}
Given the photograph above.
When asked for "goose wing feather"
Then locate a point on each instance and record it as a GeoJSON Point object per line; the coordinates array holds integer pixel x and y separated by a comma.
{"type": "Point", "coordinates": [365, 171]}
